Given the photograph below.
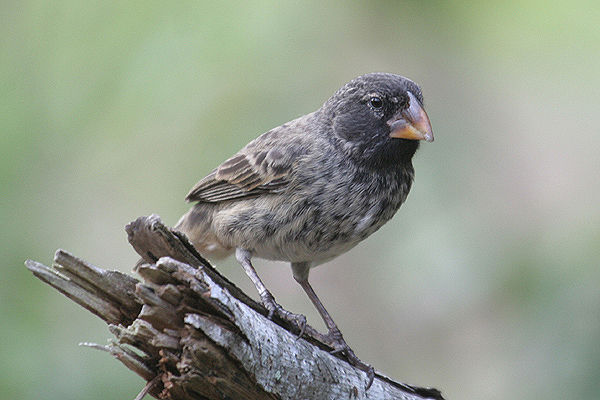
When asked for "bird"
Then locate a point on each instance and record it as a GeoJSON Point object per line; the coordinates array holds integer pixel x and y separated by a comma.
{"type": "Point", "coordinates": [313, 188]}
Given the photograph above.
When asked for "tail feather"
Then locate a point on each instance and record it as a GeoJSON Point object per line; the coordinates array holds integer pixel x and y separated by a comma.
{"type": "Point", "coordinates": [197, 226]}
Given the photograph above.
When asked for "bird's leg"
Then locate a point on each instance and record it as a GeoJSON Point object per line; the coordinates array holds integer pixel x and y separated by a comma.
{"type": "Point", "coordinates": [334, 336]}
{"type": "Point", "coordinates": [268, 300]}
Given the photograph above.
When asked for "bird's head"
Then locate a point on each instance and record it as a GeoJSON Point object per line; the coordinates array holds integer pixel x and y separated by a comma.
{"type": "Point", "coordinates": [379, 118]}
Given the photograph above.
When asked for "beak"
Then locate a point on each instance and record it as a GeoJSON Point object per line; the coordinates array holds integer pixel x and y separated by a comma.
{"type": "Point", "coordinates": [412, 123]}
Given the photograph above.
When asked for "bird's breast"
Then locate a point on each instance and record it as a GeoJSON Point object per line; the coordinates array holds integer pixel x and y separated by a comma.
{"type": "Point", "coordinates": [312, 224]}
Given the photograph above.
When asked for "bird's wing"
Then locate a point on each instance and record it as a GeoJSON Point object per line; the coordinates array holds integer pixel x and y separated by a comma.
{"type": "Point", "coordinates": [265, 165]}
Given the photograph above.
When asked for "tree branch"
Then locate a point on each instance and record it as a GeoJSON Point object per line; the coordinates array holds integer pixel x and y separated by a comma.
{"type": "Point", "coordinates": [192, 334]}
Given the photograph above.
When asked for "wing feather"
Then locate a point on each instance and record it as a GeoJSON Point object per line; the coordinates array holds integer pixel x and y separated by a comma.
{"type": "Point", "coordinates": [265, 165]}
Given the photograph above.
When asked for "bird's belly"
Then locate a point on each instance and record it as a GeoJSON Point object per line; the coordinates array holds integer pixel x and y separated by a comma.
{"type": "Point", "coordinates": [302, 251]}
{"type": "Point", "coordinates": [308, 236]}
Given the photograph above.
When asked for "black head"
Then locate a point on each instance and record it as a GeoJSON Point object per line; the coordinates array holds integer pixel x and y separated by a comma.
{"type": "Point", "coordinates": [378, 118]}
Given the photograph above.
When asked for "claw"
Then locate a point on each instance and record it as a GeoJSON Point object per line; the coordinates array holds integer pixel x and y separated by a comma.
{"type": "Point", "coordinates": [298, 321]}
{"type": "Point", "coordinates": [335, 339]}
{"type": "Point", "coordinates": [371, 376]}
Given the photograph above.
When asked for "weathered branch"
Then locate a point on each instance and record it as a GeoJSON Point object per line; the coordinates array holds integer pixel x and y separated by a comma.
{"type": "Point", "coordinates": [198, 336]}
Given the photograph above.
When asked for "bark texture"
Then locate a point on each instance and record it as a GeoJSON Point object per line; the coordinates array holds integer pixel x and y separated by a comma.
{"type": "Point", "coordinates": [192, 334]}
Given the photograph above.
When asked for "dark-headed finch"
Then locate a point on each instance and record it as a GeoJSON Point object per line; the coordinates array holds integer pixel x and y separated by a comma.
{"type": "Point", "coordinates": [311, 189]}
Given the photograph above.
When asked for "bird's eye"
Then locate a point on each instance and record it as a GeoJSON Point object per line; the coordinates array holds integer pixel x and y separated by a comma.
{"type": "Point", "coordinates": [376, 103]}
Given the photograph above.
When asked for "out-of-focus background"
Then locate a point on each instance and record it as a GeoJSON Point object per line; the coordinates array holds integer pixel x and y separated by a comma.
{"type": "Point", "coordinates": [486, 284]}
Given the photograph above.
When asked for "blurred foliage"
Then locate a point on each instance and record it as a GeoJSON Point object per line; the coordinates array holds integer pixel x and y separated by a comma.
{"type": "Point", "coordinates": [485, 285]}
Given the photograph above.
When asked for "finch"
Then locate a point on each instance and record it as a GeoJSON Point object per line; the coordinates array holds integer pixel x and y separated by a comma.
{"type": "Point", "coordinates": [311, 189]}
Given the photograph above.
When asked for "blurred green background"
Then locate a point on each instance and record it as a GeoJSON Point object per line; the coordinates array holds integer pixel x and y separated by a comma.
{"type": "Point", "coordinates": [486, 284]}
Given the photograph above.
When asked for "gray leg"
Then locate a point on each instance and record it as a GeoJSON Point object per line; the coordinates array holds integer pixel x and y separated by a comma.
{"type": "Point", "coordinates": [243, 257]}
{"type": "Point", "coordinates": [298, 321]}
{"type": "Point", "coordinates": [334, 331]}
{"type": "Point", "coordinates": [334, 337]}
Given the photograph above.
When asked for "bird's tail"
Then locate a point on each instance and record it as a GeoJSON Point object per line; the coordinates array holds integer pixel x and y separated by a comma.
{"type": "Point", "coordinates": [196, 224]}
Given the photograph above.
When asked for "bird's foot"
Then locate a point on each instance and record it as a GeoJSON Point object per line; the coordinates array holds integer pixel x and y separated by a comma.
{"type": "Point", "coordinates": [336, 341]}
{"type": "Point", "coordinates": [298, 321]}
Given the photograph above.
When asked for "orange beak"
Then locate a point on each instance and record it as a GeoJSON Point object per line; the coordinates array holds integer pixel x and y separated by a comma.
{"type": "Point", "coordinates": [411, 123]}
